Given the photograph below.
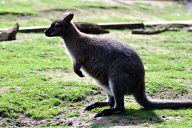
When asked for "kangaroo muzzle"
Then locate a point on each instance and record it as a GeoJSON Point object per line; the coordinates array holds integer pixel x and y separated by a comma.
{"type": "Point", "coordinates": [49, 32]}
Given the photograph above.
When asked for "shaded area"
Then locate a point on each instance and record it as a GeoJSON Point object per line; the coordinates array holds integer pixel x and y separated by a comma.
{"type": "Point", "coordinates": [59, 10]}
{"type": "Point", "coordinates": [15, 13]}
{"type": "Point", "coordinates": [132, 118]}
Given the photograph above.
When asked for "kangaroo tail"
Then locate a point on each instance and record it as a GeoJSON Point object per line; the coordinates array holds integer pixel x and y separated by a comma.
{"type": "Point", "coordinates": [141, 98]}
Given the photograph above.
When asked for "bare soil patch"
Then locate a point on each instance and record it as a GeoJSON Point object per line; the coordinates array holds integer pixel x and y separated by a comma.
{"type": "Point", "coordinates": [168, 93]}
{"type": "Point", "coordinates": [101, 7]}
{"type": "Point", "coordinates": [163, 93]}
{"type": "Point", "coordinates": [7, 89]}
{"type": "Point", "coordinates": [66, 75]}
{"type": "Point", "coordinates": [176, 118]}
{"type": "Point", "coordinates": [15, 13]}
{"type": "Point", "coordinates": [150, 2]}
{"type": "Point", "coordinates": [85, 118]}
{"type": "Point", "coordinates": [54, 10]}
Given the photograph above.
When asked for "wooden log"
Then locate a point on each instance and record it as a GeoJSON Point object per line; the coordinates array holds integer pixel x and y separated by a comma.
{"type": "Point", "coordinates": [123, 25]}
{"type": "Point", "coordinates": [149, 32]}
{"type": "Point", "coordinates": [90, 28]}
{"type": "Point", "coordinates": [33, 29]}
{"type": "Point", "coordinates": [159, 29]}
{"type": "Point", "coordinates": [189, 29]}
{"type": "Point", "coordinates": [157, 23]}
{"type": "Point", "coordinates": [9, 34]}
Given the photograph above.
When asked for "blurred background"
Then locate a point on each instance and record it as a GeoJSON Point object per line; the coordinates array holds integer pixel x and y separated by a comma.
{"type": "Point", "coordinates": [38, 87]}
{"type": "Point", "coordinates": [42, 12]}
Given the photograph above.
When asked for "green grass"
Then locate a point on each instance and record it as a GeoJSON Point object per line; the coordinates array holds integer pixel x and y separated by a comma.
{"type": "Point", "coordinates": [36, 78]}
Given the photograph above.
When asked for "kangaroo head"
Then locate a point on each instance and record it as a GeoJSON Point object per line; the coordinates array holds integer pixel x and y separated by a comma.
{"type": "Point", "coordinates": [59, 26]}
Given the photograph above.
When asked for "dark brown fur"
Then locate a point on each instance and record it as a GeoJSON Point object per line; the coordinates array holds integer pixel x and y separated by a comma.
{"type": "Point", "coordinates": [117, 68]}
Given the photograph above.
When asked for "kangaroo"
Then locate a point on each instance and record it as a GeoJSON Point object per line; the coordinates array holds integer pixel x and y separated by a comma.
{"type": "Point", "coordinates": [116, 67]}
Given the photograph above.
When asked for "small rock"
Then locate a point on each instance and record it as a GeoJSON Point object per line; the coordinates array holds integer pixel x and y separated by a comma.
{"type": "Point", "coordinates": [150, 119]}
{"type": "Point", "coordinates": [69, 123]}
{"type": "Point", "coordinates": [163, 116]}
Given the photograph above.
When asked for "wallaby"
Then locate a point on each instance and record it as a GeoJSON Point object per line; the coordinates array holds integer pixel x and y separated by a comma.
{"type": "Point", "coordinates": [116, 67]}
{"type": "Point", "coordinates": [9, 34]}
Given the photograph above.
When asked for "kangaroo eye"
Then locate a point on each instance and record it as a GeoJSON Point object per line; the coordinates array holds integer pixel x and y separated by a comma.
{"type": "Point", "coordinates": [57, 25]}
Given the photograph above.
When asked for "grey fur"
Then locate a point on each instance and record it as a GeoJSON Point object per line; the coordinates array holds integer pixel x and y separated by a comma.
{"type": "Point", "coordinates": [117, 68]}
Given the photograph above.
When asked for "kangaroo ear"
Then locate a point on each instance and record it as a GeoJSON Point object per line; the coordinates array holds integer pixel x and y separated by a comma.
{"type": "Point", "coordinates": [68, 17]}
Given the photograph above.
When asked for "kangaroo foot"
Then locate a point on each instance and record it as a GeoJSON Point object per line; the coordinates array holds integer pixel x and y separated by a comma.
{"type": "Point", "coordinates": [96, 105]}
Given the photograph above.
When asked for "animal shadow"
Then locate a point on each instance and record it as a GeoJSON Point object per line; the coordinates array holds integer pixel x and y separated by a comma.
{"type": "Point", "coordinates": [131, 118]}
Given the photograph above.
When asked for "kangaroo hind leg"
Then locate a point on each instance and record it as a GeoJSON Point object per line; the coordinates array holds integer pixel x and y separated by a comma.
{"type": "Point", "coordinates": [117, 91]}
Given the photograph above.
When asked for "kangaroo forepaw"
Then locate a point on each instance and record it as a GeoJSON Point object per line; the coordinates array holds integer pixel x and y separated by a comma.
{"type": "Point", "coordinates": [80, 74]}
{"type": "Point", "coordinates": [108, 112]}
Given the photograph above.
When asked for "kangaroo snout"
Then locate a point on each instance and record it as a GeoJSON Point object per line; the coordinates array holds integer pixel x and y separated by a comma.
{"type": "Point", "coordinates": [50, 32]}
{"type": "Point", "coordinates": [47, 32]}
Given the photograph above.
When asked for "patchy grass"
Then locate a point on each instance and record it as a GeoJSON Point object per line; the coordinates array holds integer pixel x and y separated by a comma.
{"type": "Point", "coordinates": [44, 11]}
{"type": "Point", "coordinates": [42, 85]}
{"type": "Point", "coordinates": [22, 62]}
{"type": "Point", "coordinates": [39, 88]}
{"type": "Point", "coordinates": [31, 7]}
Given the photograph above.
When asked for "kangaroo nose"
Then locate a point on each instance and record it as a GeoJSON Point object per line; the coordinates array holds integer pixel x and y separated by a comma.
{"type": "Point", "coordinates": [46, 33]}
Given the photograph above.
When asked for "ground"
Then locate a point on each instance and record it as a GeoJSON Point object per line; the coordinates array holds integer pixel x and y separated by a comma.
{"type": "Point", "coordinates": [39, 88]}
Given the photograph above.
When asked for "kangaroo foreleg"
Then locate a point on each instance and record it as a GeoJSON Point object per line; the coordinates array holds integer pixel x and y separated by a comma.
{"type": "Point", "coordinates": [76, 68]}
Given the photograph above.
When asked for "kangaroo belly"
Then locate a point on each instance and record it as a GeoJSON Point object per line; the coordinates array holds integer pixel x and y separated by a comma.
{"type": "Point", "coordinates": [98, 72]}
